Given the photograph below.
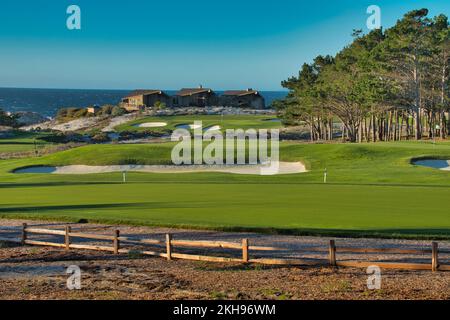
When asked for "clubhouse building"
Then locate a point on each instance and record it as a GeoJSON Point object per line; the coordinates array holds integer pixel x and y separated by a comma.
{"type": "Point", "coordinates": [141, 99]}
{"type": "Point", "coordinates": [194, 97]}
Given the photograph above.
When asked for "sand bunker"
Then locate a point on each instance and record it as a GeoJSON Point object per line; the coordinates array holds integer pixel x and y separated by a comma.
{"type": "Point", "coordinates": [284, 168]}
{"type": "Point", "coordinates": [435, 164]}
{"type": "Point", "coordinates": [213, 128]}
{"type": "Point", "coordinates": [188, 126]}
{"type": "Point", "coordinates": [151, 125]}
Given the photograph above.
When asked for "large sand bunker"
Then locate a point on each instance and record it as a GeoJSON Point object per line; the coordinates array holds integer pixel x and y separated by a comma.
{"type": "Point", "coordinates": [284, 168]}
{"type": "Point", "coordinates": [435, 164]}
{"type": "Point", "coordinates": [151, 125]}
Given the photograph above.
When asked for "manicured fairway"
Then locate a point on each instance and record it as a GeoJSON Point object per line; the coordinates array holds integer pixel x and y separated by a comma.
{"type": "Point", "coordinates": [373, 190]}
{"type": "Point", "coordinates": [299, 208]}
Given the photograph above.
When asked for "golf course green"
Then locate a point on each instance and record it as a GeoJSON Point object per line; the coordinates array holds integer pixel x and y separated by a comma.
{"type": "Point", "coordinates": [23, 142]}
{"type": "Point", "coordinates": [224, 122]}
{"type": "Point", "coordinates": [371, 190]}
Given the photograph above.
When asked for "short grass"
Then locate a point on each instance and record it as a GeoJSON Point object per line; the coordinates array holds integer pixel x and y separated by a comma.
{"type": "Point", "coordinates": [22, 142]}
{"type": "Point", "coordinates": [373, 190]}
{"type": "Point", "coordinates": [225, 122]}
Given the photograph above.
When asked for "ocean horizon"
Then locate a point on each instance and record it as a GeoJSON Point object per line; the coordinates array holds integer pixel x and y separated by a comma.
{"type": "Point", "coordinates": [47, 102]}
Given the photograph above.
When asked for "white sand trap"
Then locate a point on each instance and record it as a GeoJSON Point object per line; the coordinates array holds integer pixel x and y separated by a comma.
{"type": "Point", "coordinates": [435, 164]}
{"type": "Point", "coordinates": [151, 125]}
{"type": "Point", "coordinates": [213, 128]}
{"type": "Point", "coordinates": [284, 168]}
{"type": "Point", "coordinates": [188, 126]}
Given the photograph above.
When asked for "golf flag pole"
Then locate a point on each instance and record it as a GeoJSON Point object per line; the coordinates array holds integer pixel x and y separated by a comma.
{"type": "Point", "coordinates": [325, 174]}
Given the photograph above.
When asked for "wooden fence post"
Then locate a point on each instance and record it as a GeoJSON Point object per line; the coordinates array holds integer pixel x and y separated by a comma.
{"type": "Point", "coordinates": [24, 233]}
{"type": "Point", "coordinates": [169, 246]}
{"type": "Point", "coordinates": [116, 242]}
{"type": "Point", "coordinates": [435, 257]}
{"type": "Point", "coordinates": [67, 237]}
{"type": "Point", "coordinates": [245, 257]}
{"type": "Point", "coordinates": [332, 253]}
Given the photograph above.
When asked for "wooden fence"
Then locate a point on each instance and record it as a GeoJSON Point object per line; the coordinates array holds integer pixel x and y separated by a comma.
{"type": "Point", "coordinates": [117, 241]}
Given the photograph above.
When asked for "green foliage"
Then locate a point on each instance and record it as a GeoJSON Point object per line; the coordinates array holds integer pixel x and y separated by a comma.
{"type": "Point", "coordinates": [68, 114]}
{"type": "Point", "coordinates": [100, 137]}
{"type": "Point", "coordinates": [110, 110]}
{"type": "Point", "coordinates": [404, 69]}
{"type": "Point", "coordinates": [8, 120]}
{"type": "Point", "coordinates": [117, 111]}
{"type": "Point", "coordinates": [61, 137]}
{"type": "Point", "coordinates": [159, 106]}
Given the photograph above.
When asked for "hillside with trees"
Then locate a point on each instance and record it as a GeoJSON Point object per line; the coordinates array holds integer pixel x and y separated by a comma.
{"type": "Point", "coordinates": [387, 85]}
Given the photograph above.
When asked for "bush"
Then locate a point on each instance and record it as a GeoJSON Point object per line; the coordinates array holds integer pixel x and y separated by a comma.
{"type": "Point", "coordinates": [100, 137]}
{"type": "Point", "coordinates": [118, 111]}
{"type": "Point", "coordinates": [60, 137]}
{"type": "Point", "coordinates": [159, 106]}
{"type": "Point", "coordinates": [67, 114]}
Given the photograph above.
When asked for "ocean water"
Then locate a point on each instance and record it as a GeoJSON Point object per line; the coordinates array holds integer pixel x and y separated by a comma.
{"type": "Point", "coordinates": [48, 101]}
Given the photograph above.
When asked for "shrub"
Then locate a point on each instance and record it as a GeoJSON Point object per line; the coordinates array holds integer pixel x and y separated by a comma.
{"type": "Point", "coordinates": [8, 120]}
{"type": "Point", "coordinates": [118, 111]}
{"type": "Point", "coordinates": [100, 137]}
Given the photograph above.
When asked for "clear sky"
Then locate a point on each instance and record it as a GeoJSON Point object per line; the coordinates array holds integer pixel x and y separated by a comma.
{"type": "Point", "coordinates": [178, 43]}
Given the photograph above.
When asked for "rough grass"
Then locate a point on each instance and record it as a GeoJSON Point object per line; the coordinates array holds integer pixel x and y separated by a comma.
{"type": "Point", "coordinates": [22, 142]}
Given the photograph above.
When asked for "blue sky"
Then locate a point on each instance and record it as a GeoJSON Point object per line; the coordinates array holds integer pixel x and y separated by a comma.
{"type": "Point", "coordinates": [171, 44]}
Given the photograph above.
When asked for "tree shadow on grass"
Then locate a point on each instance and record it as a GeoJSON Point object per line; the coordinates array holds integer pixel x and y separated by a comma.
{"type": "Point", "coordinates": [143, 205]}
{"type": "Point", "coordinates": [56, 184]}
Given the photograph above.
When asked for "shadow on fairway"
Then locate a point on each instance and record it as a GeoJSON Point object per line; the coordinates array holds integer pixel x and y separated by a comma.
{"type": "Point", "coordinates": [55, 184]}
{"type": "Point", "coordinates": [146, 205]}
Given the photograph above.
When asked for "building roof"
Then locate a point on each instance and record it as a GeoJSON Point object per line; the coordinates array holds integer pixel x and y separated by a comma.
{"type": "Point", "coordinates": [191, 91]}
{"type": "Point", "coordinates": [142, 92]}
{"type": "Point", "coordinates": [240, 93]}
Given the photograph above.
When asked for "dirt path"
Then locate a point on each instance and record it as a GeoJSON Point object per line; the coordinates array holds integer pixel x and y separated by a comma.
{"type": "Point", "coordinates": [40, 272]}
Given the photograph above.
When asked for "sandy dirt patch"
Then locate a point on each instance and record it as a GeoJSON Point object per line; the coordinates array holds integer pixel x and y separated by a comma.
{"type": "Point", "coordinates": [40, 273]}
{"type": "Point", "coordinates": [284, 168]}
{"type": "Point", "coordinates": [117, 121]}
{"type": "Point", "coordinates": [73, 125]}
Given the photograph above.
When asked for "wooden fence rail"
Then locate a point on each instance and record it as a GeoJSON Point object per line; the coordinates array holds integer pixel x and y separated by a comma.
{"type": "Point", "coordinates": [117, 241]}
